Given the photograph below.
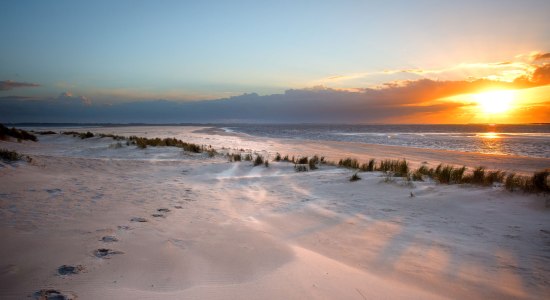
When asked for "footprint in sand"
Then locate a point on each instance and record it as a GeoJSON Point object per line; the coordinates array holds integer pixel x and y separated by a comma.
{"type": "Point", "coordinates": [178, 207]}
{"type": "Point", "coordinates": [109, 239]}
{"type": "Point", "coordinates": [158, 216]}
{"type": "Point", "coordinates": [69, 270]}
{"type": "Point", "coordinates": [138, 219]}
{"type": "Point", "coordinates": [124, 227]}
{"type": "Point", "coordinates": [163, 210]}
{"type": "Point", "coordinates": [51, 294]}
{"type": "Point", "coordinates": [106, 253]}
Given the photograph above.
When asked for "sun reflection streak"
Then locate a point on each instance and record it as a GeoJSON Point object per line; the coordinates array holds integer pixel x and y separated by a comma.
{"type": "Point", "coordinates": [490, 135]}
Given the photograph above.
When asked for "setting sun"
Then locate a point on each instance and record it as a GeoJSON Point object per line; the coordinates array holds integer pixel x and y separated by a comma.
{"type": "Point", "coordinates": [495, 102]}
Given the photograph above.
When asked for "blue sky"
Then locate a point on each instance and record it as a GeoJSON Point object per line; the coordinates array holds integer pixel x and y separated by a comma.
{"type": "Point", "coordinates": [121, 51]}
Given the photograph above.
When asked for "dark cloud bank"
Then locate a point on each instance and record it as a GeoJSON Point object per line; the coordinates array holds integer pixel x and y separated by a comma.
{"type": "Point", "coordinates": [320, 105]}
{"type": "Point", "coordinates": [6, 85]}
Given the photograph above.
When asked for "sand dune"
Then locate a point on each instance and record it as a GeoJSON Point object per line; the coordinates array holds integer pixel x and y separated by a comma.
{"type": "Point", "coordinates": [220, 230]}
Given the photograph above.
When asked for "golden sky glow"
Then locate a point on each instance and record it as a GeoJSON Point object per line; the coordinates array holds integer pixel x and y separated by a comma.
{"type": "Point", "coordinates": [495, 102]}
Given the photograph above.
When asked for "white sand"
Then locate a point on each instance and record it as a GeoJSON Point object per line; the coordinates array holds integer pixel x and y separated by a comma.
{"type": "Point", "coordinates": [240, 232]}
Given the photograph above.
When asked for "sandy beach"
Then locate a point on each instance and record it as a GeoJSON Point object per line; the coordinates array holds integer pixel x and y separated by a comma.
{"type": "Point", "coordinates": [158, 223]}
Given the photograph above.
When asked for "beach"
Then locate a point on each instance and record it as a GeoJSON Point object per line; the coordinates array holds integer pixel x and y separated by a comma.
{"type": "Point", "coordinates": [160, 223]}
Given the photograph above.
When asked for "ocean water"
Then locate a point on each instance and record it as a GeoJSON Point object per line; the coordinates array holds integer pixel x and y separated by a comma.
{"type": "Point", "coordinates": [522, 140]}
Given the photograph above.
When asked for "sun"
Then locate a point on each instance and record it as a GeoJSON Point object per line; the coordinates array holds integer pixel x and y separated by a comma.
{"type": "Point", "coordinates": [495, 102]}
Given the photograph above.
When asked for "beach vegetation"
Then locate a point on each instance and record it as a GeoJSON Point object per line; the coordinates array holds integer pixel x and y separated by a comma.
{"type": "Point", "coordinates": [300, 168]}
{"type": "Point", "coordinates": [477, 177]}
{"type": "Point", "coordinates": [113, 136]}
{"type": "Point", "coordinates": [19, 134]}
{"type": "Point", "coordinates": [11, 156]}
{"type": "Point", "coordinates": [349, 162]}
{"type": "Point", "coordinates": [313, 162]}
{"type": "Point", "coordinates": [278, 157]}
{"type": "Point", "coordinates": [142, 143]}
{"type": "Point", "coordinates": [259, 160]}
{"type": "Point", "coordinates": [301, 161]}
{"type": "Point", "coordinates": [494, 176]}
{"type": "Point", "coordinates": [234, 157]}
{"type": "Point", "coordinates": [354, 177]}
{"type": "Point", "coordinates": [399, 168]}
{"type": "Point", "coordinates": [47, 132]}
{"type": "Point", "coordinates": [540, 181]}
{"type": "Point", "coordinates": [512, 182]}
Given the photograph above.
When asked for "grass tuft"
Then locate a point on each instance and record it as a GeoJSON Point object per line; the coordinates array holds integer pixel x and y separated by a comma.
{"type": "Point", "coordinates": [19, 134]}
{"type": "Point", "coordinates": [349, 162]}
{"type": "Point", "coordinates": [11, 156]}
{"type": "Point", "coordinates": [259, 160]}
{"type": "Point", "coordinates": [354, 177]}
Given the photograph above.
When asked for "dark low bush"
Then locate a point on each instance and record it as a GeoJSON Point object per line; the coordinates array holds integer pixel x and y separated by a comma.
{"type": "Point", "coordinates": [19, 134]}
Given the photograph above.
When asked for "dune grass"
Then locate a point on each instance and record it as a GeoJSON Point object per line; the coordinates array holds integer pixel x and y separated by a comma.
{"type": "Point", "coordinates": [354, 177]}
{"type": "Point", "coordinates": [12, 156]}
{"type": "Point", "coordinates": [399, 168]}
{"type": "Point", "coordinates": [259, 160]}
{"type": "Point", "coordinates": [234, 157]}
{"type": "Point", "coordinates": [349, 162]}
{"type": "Point", "coordinates": [82, 135]}
{"type": "Point", "coordinates": [443, 174]}
{"type": "Point", "coordinates": [143, 143]}
{"type": "Point", "coordinates": [19, 134]}
{"type": "Point", "coordinates": [46, 132]}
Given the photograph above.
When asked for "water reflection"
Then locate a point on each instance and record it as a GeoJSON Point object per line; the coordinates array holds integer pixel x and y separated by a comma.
{"type": "Point", "coordinates": [491, 142]}
{"type": "Point", "coordinates": [490, 135]}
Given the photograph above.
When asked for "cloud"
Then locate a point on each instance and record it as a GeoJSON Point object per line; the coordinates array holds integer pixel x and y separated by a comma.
{"type": "Point", "coordinates": [506, 70]}
{"type": "Point", "coordinates": [541, 76]}
{"type": "Point", "coordinates": [68, 97]}
{"type": "Point", "coordinates": [541, 56]}
{"type": "Point", "coordinates": [7, 85]}
{"type": "Point", "coordinates": [396, 102]}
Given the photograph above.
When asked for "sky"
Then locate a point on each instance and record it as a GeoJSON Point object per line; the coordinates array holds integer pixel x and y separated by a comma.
{"type": "Point", "coordinates": [232, 61]}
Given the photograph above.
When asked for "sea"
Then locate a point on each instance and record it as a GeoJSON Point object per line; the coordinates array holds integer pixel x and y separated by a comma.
{"type": "Point", "coordinates": [532, 140]}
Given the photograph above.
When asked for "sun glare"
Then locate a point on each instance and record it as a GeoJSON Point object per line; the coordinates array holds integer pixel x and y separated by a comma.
{"type": "Point", "coordinates": [495, 102]}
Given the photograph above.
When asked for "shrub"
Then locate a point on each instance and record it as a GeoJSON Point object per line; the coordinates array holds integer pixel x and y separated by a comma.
{"type": "Point", "coordinates": [247, 157]}
{"type": "Point", "coordinates": [234, 157]}
{"type": "Point", "coordinates": [19, 134]}
{"type": "Point", "coordinates": [417, 176]}
{"type": "Point", "coordinates": [511, 182]}
{"type": "Point", "coordinates": [116, 145]}
{"type": "Point", "coordinates": [313, 162]}
{"type": "Point", "coordinates": [349, 162]}
{"type": "Point", "coordinates": [211, 152]}
{"type": "Point", "coordinates": [399, 168]}
{"type": "Point", "coordinates": [142, 143]}
{"type": "Point", "coordinates": [286, 158]}
{"type": "Point", "coordinates": [494, 176]}
{"type": "Point", "coordinates": [457, 174]}
{"type": "Point", "coordinates": [113, 136]}
{"type": "Point", "coordinates": [354, 177]}
{"type": "Point", "coordinates": [258, 161]}
{"type": "Point", "coordinates": [443, 174]}
{"type": "Point", "coordinates": [371, 165]}
{"type": "Point", "coordinates": [277, 157]}
{"type": "Point", "coordinates": [48, 132]}
{"type": "Point", "coordinates": [8, 155]}
{"type": "Point", "coordinates": [478, 176]}
{"type": "Point", "coordinates": [302, 160]}
{"type": "Point", "coordinates": [86, 135]}
{"type": "Point", "coordinates": [540, 181]}
{"type": "Point", "coordinates": [300, 168]}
